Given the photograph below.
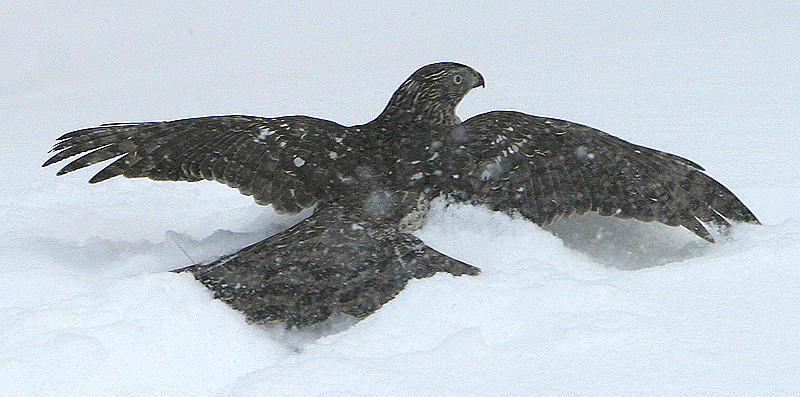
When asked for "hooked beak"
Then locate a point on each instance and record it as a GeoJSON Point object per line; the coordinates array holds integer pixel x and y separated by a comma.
{"type": "Point", "coordinates": [478, 81]}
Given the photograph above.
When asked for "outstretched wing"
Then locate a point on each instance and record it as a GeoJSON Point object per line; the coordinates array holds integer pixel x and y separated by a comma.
{"type": "Point", "coordinates": [284, 161]}
{"type": "Point", "coordinates": [546, 169]}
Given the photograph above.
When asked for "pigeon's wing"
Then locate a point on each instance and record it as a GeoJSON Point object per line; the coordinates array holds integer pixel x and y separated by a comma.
{"type": "Point", "coordinates": [545, 169]}
{"type": "Point", "coordinates": [329, 264]}
{"type": "Point", "coordinates": [284, 161]}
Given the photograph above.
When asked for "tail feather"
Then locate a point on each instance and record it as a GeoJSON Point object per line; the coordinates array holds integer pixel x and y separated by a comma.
{"type": "Point", "coordinates": [328, 264]}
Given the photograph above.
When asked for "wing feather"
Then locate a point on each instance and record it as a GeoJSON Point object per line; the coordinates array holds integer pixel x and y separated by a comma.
{"type": "Point", "coordinates": [229, 158]}
{"type": "Point", "coordinates": [562, 168]}
{"type": "Point", "coordinates": [102, 154]}
{"type": "Point", "coordinates": [282, 161]}
{"type": "Point", "coordinates": [245, 168]}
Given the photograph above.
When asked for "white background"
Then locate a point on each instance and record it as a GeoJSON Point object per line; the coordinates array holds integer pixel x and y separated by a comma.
{"type": "Point", "coordinates": [601, 307]}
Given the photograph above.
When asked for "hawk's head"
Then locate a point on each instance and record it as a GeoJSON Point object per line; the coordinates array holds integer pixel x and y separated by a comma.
{"type": "Point", "coordinates": [431, 94]}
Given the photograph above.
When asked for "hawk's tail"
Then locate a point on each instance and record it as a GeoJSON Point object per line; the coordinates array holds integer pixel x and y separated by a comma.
{"type": "Point", "coordinates": [328, 264]}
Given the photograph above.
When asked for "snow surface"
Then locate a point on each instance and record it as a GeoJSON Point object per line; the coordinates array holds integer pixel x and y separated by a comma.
{"type": "Point", "coordinates": [591, 306]}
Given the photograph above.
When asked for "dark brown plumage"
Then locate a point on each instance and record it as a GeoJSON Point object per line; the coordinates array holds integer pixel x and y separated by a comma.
{"type": "Point", "coordinates": [372, 184]}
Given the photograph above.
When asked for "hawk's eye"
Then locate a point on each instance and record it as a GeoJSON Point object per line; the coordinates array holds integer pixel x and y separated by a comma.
{"type": "Point", "coordinates": [457, 79]}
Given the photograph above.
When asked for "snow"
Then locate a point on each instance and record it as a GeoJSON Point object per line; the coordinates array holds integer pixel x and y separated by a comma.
{"type": "Point", "coordinates": [589, 306]}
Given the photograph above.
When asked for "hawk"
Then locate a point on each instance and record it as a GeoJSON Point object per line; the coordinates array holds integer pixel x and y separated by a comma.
{"type": "Point", "coordinates": [372, 185]}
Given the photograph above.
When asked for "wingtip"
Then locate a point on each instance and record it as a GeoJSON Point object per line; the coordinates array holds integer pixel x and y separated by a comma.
{"type": "Point", "coordinates": [98, 178]}
{"type": "Point", "coordinates": [50, 161]}
{"type": "Point", "coordinates": [748, 217]}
